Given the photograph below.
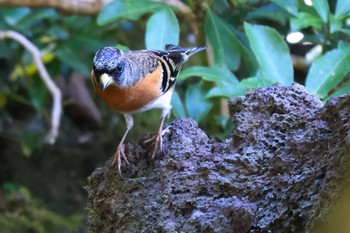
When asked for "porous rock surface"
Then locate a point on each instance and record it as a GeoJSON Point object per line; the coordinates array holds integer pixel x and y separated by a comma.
{"type": "Point", "coordinates": [278, 173]}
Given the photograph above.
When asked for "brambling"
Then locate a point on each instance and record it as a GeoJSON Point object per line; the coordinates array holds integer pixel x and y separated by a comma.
{"type": "Point", "coordinates": [136, 81]}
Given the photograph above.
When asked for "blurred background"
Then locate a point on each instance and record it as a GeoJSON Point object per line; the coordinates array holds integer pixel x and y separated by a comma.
{"type": "Point", "coordinates": [42, 184]}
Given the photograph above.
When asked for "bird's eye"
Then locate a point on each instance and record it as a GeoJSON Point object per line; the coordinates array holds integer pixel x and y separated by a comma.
{"type": "Point", "coordinates": [119, 68]}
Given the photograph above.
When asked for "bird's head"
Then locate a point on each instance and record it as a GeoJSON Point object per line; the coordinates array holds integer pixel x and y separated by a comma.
{"type": "Point", "coordinates": [108, 67]}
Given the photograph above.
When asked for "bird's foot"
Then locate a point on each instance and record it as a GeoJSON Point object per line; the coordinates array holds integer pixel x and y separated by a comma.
{"type": "Point", "coordinates": [158, 140]}
{"type": "Point", "coordinates": [117, 160]}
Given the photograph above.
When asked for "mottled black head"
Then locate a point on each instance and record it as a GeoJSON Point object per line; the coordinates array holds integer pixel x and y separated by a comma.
{"type": "Point", "coordinates": [108, 61]}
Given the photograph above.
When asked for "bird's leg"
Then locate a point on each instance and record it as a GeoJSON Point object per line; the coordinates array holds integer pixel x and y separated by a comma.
{"type": "Point", "coordinates": [157, 138]}
{"type": "Point", "coordinates": [120, 150]}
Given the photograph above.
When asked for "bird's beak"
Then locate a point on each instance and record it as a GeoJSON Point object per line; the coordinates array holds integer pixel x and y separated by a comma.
{"type": "Point", "coordinates": [106, 80]}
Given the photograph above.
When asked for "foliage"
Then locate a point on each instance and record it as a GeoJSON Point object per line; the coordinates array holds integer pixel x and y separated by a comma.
{"type": "Point", "coordinates": [20, 212]}
{"type": "Point", "coordinates": [246, 50]}
{"type": "Point", "coordinates": [237, 61]}
{"type": "Point", "coordinates": [259, 57]}
{"type": "Point", "coordinates": [330, 30]}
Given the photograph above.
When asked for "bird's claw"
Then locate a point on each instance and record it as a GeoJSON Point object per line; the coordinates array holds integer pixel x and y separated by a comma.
{"type": "Point", "coordinates": [117, 160]}
{"type": "Point", "coordinates": [158, 140]}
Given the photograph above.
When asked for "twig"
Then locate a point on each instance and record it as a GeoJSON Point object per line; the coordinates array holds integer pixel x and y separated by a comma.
{"type": "Point", "coordinates": [178, 4]}
{"type": "Point", "coordinates": [56, 111]}
{"type": "Point", "coordinates": [85, 7]}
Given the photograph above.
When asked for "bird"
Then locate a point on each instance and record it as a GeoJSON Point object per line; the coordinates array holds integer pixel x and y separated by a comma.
{"type": "Point", "coordinates": [134, 81]}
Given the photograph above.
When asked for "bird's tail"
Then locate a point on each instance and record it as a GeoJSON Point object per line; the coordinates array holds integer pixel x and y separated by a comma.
{"type": "Point", "coordinates": [186, 52]}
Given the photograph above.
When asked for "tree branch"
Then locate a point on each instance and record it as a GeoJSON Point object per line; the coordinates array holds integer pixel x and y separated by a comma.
{"type": "Point", "coordinates": [85, 7]}
{"type": "Point", "coordinates": [54, 90]}
{"type": "Point", "coordinates": [93, 7]}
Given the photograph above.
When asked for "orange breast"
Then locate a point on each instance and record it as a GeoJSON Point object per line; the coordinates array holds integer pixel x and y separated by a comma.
{"type": "Point", "coordinates": [133, 98]}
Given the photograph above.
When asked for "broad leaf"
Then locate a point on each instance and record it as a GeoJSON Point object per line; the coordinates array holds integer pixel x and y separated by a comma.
{"type": "Point", "coordinates": [127, 9]}
{"type": "Point", "coordinates": [253, 82]}
{"type": "Point", "coordinates": [345, 88]}
{"type": "Point", "coordinates": [335, 24]}
{"type": "Point", "coordinates": [225, 91]}
{"type": "Point", "coordinates": [162, 28]}
{"type": "Point", "coordinates": [38, 93]}
{"type": "Point", "coordinates": [67, 56]}
{"type": "Point", "coordinates": [289, 5]}
{"type": "Point", "coordinates": [249, 64]}
{"type": "Point", "coordinates": [226, 82]}
{"type": "Point", "coordinates": [345, 31]}
{"type": "Point", "coordinates": [178, 108]}
{"type": "Point", "coordinates": [14, 15]}
{"type": "Point", "coordinates": [327, 72]}
{"type": "Point", "coordinates": [268, 11]}
{"type": "Point", "coordinates": [343, 45]}
{"type": "Point", "coordinates": [322, 9]}
{"type": "Point", "coordinates": [223, 40]}
{"type": "Point", "coordinates": [35, 18]}
{"type": "Point", "coordinates": [305, 20]}
{"type": "Point", "coordinates": [196, 104]}
{"type": "Point", "coordinates": [271, 52]}
{"type": "Point", "coordinates": [213, 74]}
{"type": "Point", "coordinates": [342, 8]}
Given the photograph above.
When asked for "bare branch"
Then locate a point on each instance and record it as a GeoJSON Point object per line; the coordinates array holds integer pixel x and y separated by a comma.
{"type": "Point", "coordinates": [54, 90]}
{"type": "Point", "coordinates": [85, 7]}
{"type": "Point", "coordinates": [93, 7]}
{"type": "Point", "coordinates": [178, 4]}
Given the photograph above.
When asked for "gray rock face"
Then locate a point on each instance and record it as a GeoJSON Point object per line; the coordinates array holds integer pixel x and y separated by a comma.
{"type": "Point", "coordinates": [278, 173]}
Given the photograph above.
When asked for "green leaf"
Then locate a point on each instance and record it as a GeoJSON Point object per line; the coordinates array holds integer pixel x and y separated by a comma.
{"type": "Point", "coordinates": [253, 82]}
{"type": "Point", "coordinates": [268, 11]}
{"type": "Point", "coordinates": [322, 9]}
{"type": "Point", "coordinates": [39, 94]}
{"type": "Point", "coordinates": [289, 5]}
{"type": "Point", "coordinates": [227, 85]}
{"type": "Point", "coordinates": [6, 51]}
{"type": "Point", "coordinates": [127, 9]}
{"type": "Point", "coordinates": [224, 42]}
{"type": "Point", "coordinates": [345, 31]}
{"type": "Point", "coordinates": [40, 14]}
{"type": "Point", "coordinates": [162, 28]}
{"type": "Point", "coordinates": [30, 138]}
{"type": "Point", "coordinates": [213, 74]}
{"type": "Point", "coordinates": [13, 15]}
{"type": "Point", "coordinates": [342, 8]}
{"type": "Point", "coordinates": [224, 91]}
{"type": "Point", "coordinates": [178, 108]}
{"type": "Point", "coordinates": [327, 72]}
{"type": "Point", "coordinates": [343, 45]}
{"type": "Point", "coordinates": [195, 102]}
{"type": "Point", "coordinates": [249, 64]}
{"type": "Point", "coordinates": [67, 56]}
{"type": "Point", "coordinates": [335, 24]}
{"type": "Point", "coordinates": [271, 52]}
{"type": "Point", "coordinates": [345, 88]}
{"type": "Point", "coordinates": [305, 20]}
{"type": "Point", "coordinates": [36, 17]}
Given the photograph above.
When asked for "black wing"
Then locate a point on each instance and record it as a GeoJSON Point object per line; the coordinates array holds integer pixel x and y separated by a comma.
{"type": "Point", "coordinates": [171, 61]}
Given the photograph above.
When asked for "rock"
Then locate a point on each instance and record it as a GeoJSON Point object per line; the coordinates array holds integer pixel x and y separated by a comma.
{"type": "Point", "coordinates": [278, 173]}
